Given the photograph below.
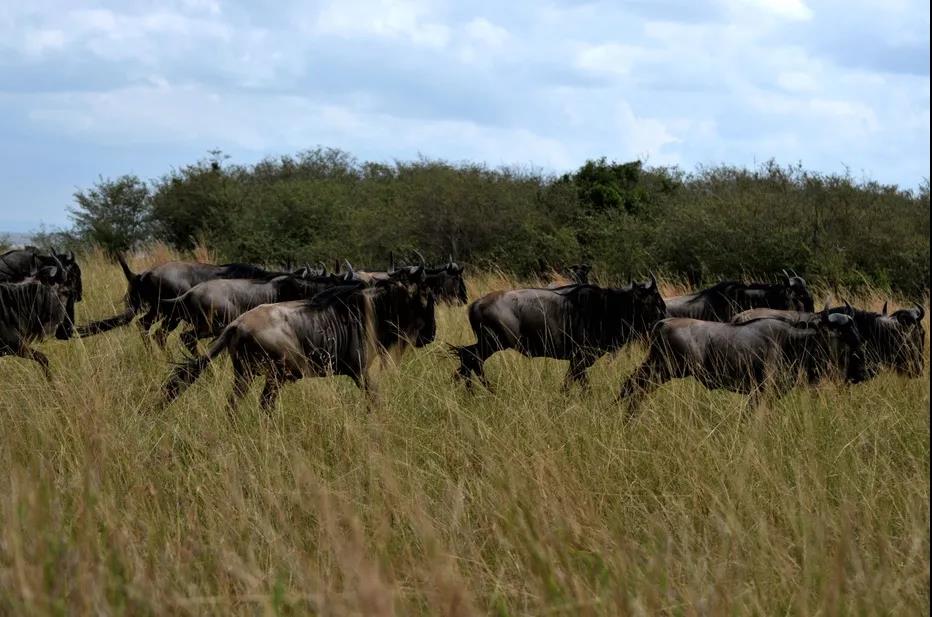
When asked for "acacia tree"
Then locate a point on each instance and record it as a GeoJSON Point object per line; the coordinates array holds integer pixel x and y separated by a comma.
{"type": "Point", "coordinates": [114, 214]}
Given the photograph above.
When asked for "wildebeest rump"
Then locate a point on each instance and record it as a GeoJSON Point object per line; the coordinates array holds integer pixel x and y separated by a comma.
{"type": "Point", "coordinates": [895, 341]}
{"type": "Point", "coordinates": [31, 311]}
{"type": "Point", "coordinates": [756, 357]}
{"type": "Point", "coordinates": [339, 332]}
{"type": "Point", "coordinates": [576, 323]}
{"type": "Point", "coordinates": [20, 264]}
{"type": "Point", "coordinates": [210, 306]}
{"type": "Point", "coordinates": [724, 300]}
{"type": "Point", "coordinates": [168, 280]}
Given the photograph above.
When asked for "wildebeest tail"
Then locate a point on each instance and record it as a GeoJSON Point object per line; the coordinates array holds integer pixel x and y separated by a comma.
{"type": "Point", "coordinates": [105, 325]}
{"type": "Point", "coordinates": [187, 372]}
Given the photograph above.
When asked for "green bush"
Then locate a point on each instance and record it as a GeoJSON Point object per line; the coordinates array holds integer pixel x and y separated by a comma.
{"type": "Point", "coordinates": [624, 218]}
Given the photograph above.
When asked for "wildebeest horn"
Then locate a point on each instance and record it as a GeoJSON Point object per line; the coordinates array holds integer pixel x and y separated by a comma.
{"type": "Point", "coordinates": [920, 310]}
{"type": "Point", "coordinates": [71, 256]}
{"type": "Point", "coordinates": [323, 268]}
{"type": "Point", "coordinates": [349, 266]}
{"type": "Point", "coordinates": [391, 261]}
{"type": "Point", "coordinates": [420, 257]}
{"type": "Point", "coordinates": [786, 275]}
{"type": "Point", "coordinates": [848, 309]}
{"type": "Point", "coordinates": [883, 311]}
{"type": "Point", "coordinates": [653, 281]}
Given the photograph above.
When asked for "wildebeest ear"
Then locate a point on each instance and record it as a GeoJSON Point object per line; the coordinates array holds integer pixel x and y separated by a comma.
{"type": "Point", "coordinates": [883, 311]}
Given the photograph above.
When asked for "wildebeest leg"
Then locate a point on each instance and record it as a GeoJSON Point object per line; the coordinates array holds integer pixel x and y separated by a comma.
{"type": "Point", "coordinates": [145, 323]}
{"type": "Point", "coordinates": [578, 371]}
{"type": "Point", "coordinates": [645, 379]}
{"type": "Point", "coordinates": [189, 339]}
{"type": "Point", "coordinates": [242, 378]}
{"type": "Point", "coordinates": [36, 356]}
{"type": "Point", "coordinates": [273, 384]}
{"type": "Point", "coordinates": [164, 329]}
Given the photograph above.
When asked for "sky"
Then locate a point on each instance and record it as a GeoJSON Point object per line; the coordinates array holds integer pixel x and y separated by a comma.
{"type": "Point", "coordinates": [108, 88]}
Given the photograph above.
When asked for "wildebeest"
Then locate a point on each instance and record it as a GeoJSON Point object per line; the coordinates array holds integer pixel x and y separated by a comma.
{"type": "Point", "coordinates": [577, 323]}
{"type": "Point", "coordinates": [447, 283]}
{"type": "Point", "coordinates": [578, 275]}
{"type": "Point", "coordinates": [19, 264]}
{"type": "Point", "coordinates": [338, 332]}
{"type": "Point", "coordinates": [724, 300]}
{"type": "Point", "coordinates": [32, 310]}
{"type": "Point", "coordinates": [757, 357]}
{"type": "Point", "coordinates": [895, 341]}
{"type": "Point", "coordinates": [168, 280]}
{"type": "Point", "coordinates": [210, 306]}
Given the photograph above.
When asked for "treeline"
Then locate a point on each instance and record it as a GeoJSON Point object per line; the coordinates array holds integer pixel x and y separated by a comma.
{"type": "Point", "coordinates": [624, 218]}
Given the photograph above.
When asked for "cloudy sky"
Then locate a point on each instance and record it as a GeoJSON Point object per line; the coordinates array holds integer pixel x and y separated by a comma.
{"type": "Point", "coordinates": [139, 87]}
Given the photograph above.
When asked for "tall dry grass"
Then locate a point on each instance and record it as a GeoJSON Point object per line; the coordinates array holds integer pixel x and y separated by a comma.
{"type": "Point", "coordinates": [527, 501]}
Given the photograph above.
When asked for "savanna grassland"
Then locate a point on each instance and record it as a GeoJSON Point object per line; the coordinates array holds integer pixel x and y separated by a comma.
{"type": "Point", "coordinates": [525, 501]}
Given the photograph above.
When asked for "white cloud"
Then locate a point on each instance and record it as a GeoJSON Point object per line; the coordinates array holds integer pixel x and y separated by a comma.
{"type": "Point", "coordinates": [407, 19]}
{"type": "Point", "coordinates": [608, 59]}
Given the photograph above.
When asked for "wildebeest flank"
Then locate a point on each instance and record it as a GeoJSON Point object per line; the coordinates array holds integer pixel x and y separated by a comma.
{"type": "Point", "coordinates": [724, 300]}
{"type": "Point", "coordinates": [210, 306]}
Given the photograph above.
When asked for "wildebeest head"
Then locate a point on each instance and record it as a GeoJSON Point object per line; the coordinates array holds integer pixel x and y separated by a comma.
{"type": "Point", "coordinates": [797, 293]}
{"type": "Point", "coordinates": [447, 283]}
{"type": "Point", "coordinates": [410, 303]}
{"type": "Point", "coordinates": [579, 273]}
{"type": "Point", "coordinates": [845, 344]}
{"type": "Point", "coordinates": [909, 356]}
{"type": "Point", "coordinates": [649, 305]}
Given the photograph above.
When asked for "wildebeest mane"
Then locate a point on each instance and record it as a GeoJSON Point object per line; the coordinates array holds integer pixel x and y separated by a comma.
{"type": "Point", "coordinates": [21, 302]}
{"type": "Point", "coordinates": [594, 326]}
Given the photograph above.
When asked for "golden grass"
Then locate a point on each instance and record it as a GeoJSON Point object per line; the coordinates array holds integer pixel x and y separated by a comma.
{"type": "Point", "coordinates": [527, 501]}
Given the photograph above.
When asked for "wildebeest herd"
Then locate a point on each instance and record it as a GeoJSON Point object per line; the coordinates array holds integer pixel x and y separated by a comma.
{"type": "Point", "coordinates": [754, 338]}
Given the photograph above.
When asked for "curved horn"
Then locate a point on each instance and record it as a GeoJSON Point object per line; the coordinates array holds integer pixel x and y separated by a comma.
{"type": "Point", "coordinates": [349, 266]}
{"type": "Point", "coordinates": [883, 311]}
{"type": "Point", "coordinates": [323, 268]}
{"type": "Point", "coordinates": [391, 261]}
{"type": "Point", "coordinates": [921, 310]}
{"type": "Point", "coordinates": [420, 257]}
{"type": "Point", "coordinates": [71, 256]}
{"type": "Point", "coordinates": [653, 281]}
{"type": "Point", "coordinates": [786, 275]}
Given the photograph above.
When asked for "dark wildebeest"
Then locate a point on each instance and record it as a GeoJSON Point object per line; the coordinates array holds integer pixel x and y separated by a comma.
{"type": "Point", "coordinates": [447, 283]}
{"type": "Point", "coordinates": [168, 280]}
{"type": "Point", "coordinates": [338, 332]}
{"type": "Point", "coordinates": [32, 310]}
{"type": "Point", "coordinates": [20, 264]}
{"type": "Point", "coordinates": [210, 306]}
{"type": "Point", "coordinates": [757, 357]}
{"type": "Point", "coordinates": [578, 275]}
{"type": "Point", "coordinates": [894, 341]}
{"type": "Point", "coordinates": [577, 323]}
{"type": "Point", "coordinates": [724, 300]}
